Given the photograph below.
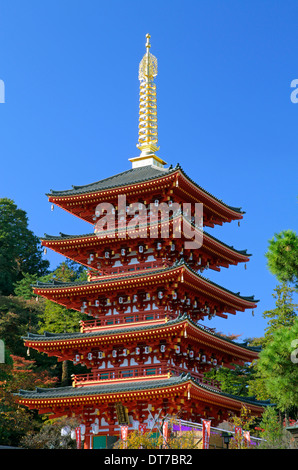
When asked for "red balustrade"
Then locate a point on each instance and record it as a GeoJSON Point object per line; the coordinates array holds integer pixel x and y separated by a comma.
{"type": "Point", "coordinates": [127, 269]}
{"type": "Point", "coordinates": [122, 318]}
{"type": "Point", "coordinates": [125, 373]}
{"type": "Point", "coordinates": [128, 373]}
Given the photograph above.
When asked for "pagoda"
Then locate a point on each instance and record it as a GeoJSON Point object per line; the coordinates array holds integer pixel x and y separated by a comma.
{"type": "Point", "coordinates": [144, 344]}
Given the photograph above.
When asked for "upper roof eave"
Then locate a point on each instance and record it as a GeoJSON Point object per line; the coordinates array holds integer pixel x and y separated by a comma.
{"type": "Point", "coordinates": [133, 176]}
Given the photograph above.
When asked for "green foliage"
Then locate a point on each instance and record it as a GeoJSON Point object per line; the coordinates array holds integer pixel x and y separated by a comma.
{"type": "Point", "coordinates": [137, 440]}
{"type": "Point", "coordinates": [149, 440]}
{"type": "Point", "coordinates": [282, 256]}
{"type": "Point", "coordinates": [233, 381]}
{"type": "Point", "coordinates": [273, 433]}
{"type": "Point", "coordinates": [277, 367]}
{"type": "Point", "coordinates": [20, 250]}
{"type": "Point", "coordinates": [56, 318]}
{"type": "Point", "coordinates": [59, 319]}
{"type": "Point", "coordinates": [17, 317]}
{"type": "Point", "coordinates": [23, 288]}
{"type": "Point", "coordinates": [67, 271]}
{"type": "Point", "coordinates": [283, 314]}
{"type": "Point", "coordinates": [281, 319]}
{"type": "Point", "coordinates": [246, 421]}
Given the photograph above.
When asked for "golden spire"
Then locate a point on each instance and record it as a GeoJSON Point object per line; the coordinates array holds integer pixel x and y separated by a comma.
{"type": "Point", "coordinates": [148, 110]}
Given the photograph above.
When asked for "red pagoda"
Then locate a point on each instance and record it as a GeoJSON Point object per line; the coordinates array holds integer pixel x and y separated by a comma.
{"type": "Point", "coordinates": [144, 345]}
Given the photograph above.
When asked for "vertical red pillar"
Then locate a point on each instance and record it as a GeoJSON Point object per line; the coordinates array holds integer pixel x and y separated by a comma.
{"type": "Point", "coordinates": [88, 441]}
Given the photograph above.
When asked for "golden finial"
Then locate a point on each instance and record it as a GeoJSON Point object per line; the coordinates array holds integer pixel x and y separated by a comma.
{"type": "Point", "coordinates": [148, 45]}
{"type": "Point", "coordinates": [148, 65]}
{"type": "Point", "coordinates": [147, 111]}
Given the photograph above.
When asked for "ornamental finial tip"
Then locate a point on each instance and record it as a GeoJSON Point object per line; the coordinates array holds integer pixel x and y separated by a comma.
{"type": "Point", "coordinates": [148, 45]}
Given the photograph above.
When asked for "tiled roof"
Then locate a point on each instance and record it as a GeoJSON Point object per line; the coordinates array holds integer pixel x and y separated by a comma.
{"type": "Point", "coordinates": [64, 236]}
{"type": "Point", "coordinates": [149, 272]}
{"type": "Point", "coordinates": [132, 176]}
{"type": "Point", "coordinates": [46, 336]}
{"type": "Point", "coordinates": [64, 392]}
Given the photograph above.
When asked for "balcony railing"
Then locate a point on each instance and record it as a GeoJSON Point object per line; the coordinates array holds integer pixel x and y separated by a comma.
{"type": "Point", "coordinates": [131, 373]}
{"type": "Point", "coordinates": [127, 373]}
{"type": "Point", "coordinates": [127, 269]}
{"type": "Point", "coordinates": [154, 316]}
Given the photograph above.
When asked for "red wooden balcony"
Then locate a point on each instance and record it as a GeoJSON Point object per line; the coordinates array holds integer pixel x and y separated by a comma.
{"type": "Point", "coordinates": [126, 374]}
{"type": "Point", "coordinates": [153, 316]}
{"type": "Point", "coordinates": [129, 374]}
{"type": "Point", "coordinates": [127, 269]}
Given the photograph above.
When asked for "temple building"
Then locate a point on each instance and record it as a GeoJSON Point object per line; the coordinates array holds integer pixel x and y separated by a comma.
{"type": "Point", "coordinates": [146, 344]}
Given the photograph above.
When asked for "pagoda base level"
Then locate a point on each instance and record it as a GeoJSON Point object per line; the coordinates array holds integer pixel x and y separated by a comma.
{"type": "Point", "coordinates": [102, 407]}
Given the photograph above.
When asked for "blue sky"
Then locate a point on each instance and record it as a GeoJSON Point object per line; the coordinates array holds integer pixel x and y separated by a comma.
{"type": "Point", "coordinates": [70, 116]}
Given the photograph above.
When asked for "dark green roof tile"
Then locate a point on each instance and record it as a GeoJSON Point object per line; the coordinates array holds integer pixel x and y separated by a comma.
{"type": "Point", "coordinates": [46, 336]}
{"type": "Point", "coordinates": [134, 175]}
{"type": "Point", "coordinates": [64, 236]}
{"type": "Point", "coordinates": [64, 392]}
{"type": "Point", "coordinates": [150, 272]}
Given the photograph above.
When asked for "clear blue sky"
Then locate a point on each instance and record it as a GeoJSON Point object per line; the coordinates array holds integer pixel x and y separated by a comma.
{"type": "Point", "coordinates": [70, 115]}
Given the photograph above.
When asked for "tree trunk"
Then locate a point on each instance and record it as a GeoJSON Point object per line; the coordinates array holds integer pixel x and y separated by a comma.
{"type": "Point", "coordinates": [64, 378]}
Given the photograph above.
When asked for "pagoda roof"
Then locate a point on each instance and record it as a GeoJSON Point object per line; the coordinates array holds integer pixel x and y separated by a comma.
{"type": "Point", "coordinates": [247, 353]}
{"type": "Point", "coordinates": [131, 176]}
{"type": "Point", "coordinates": [77, 247]}
{"type": "Point", "coordinates": [90, 236]}
{"type": "Point", "coordinates": [124, 280]}
{"type": "Point", "coordinates": [63, 395]}
{"type": "Point", "coordinates": [134, 176]}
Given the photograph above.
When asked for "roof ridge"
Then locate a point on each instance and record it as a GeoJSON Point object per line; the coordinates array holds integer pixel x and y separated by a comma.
{"type": "Point", "coordinates": [117, 175]}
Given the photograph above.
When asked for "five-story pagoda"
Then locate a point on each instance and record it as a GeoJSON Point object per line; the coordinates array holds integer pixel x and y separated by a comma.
{"type": "Point", "coordinates": [144, 345]}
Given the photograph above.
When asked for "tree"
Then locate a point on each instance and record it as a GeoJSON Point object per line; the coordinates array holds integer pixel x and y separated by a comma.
{"type": "Point", "coordinates": [15, 421]}
{"type": "Point", "coordinates": [17, 317]}
{"type": "Point", "coordinates": [282, 256]}
{"type": "Point", "coordinates": [277, 367]}
{"type": "Point", "coordinates": [23, 288]}
{"type": "Point", "coordinates": [138, 440]}
{"type": "Point", "coordinates": [148, 440]}
{"type": "Point", "coordinates": [59, 319]}
{"type": "Point", "coordinates": [20, 250]}
{"type": "Point", "coordinates": [50, 437]}
{"type": "Point", "coordinates": [283, 314]}
{"type": "Point", "coordinates": [273, 432]}
{"type": "Point", "coordinates": [246, 421]}
{"type": "Point", "coordinates": [233, 381]}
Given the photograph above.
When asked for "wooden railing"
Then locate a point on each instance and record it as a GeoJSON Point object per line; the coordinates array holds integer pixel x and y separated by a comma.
{"type": "Point", "coordinates": [122, 318]}
{"type": "Point", "coordinates": [130, 373]}
{"type": "Point", "coordinates": [127, 269]}
{"type": "Point", "coordinates": [131, 317]}
{"type": "Point", "coordinates": [125, 373]}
